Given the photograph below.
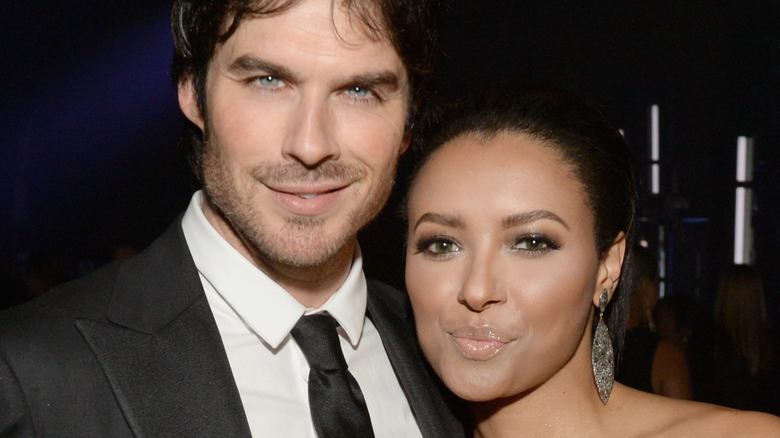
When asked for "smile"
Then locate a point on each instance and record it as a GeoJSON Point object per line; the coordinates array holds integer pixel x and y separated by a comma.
{"type": "Point", "coordinates": [308, 201]}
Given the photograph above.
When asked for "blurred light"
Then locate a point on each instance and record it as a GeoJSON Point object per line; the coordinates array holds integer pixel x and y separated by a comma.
{"type": "Point", "coordinates": [739, 227]}
{"type": "Point", "coordinates": [655, 133]}
{"type": "Point", "coordinates": [655, 171]}
{"type": "Point", "coordinates": [661, 262]}
{"type": "Point", "coordinates": [743, 203]}
{"type": "Point", "coordinates": [655, 150]}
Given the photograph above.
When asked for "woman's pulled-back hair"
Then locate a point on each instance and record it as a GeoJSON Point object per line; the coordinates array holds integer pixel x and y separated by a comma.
{"type": "Point", "coordinates": [597, 152]}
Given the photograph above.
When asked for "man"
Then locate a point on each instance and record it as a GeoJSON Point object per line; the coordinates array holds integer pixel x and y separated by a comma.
{"type": "Point", "coordinates": [299, 111]}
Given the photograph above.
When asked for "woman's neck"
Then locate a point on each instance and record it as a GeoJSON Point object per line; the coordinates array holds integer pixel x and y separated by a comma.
{"type": "Point", "coordinates": [567, 404]}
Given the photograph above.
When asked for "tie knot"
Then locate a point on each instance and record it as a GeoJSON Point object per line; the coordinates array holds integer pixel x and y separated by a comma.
{"type": "Point", "coordinates": [317, 337]}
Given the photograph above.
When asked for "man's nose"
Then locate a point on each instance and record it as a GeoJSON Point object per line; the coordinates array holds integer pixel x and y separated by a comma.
{"type": "Point", "coordinates": [310, 139]}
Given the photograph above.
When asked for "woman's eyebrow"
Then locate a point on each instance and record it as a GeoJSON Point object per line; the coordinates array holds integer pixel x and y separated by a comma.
{"type": "Point", "coordinates": [441, 219]}
{"type": "Point", "coordinates": [531, 216]}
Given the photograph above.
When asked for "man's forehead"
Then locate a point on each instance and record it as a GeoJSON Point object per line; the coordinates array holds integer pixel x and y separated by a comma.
{"type": "Point", "coordinates": [356, 17]}
{"type": "Point", "coordinates": [313, 29]}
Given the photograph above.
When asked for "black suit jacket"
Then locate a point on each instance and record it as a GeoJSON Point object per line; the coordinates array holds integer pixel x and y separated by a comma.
{"type": "Point", "coordinates": [133, 350]}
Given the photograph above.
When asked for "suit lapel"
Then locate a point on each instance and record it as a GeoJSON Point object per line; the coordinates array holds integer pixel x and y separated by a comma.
{"type": "Point", "coordinates": [393, 321]}
{"type": "Point", "coordinates": [161, 351]}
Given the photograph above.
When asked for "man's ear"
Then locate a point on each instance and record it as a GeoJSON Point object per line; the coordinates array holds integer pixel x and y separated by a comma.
{"type": "Point", "coordinates": [610, 267]}
{"type": "Point", "coordinates": [188, 102]}
{"type": "Point", "coordinates": [406, 141]}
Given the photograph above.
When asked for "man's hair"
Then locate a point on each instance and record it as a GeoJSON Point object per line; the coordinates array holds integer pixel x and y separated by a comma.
{"type": "Point", "coordinates": [200, 25]}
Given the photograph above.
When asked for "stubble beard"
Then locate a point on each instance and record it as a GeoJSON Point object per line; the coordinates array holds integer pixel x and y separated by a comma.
{"type": "Point", "coordinates": [302, 242]}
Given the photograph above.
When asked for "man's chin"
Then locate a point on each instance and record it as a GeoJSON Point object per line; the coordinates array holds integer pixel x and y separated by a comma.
{"type": "Point", "coordinates": [308, 251]}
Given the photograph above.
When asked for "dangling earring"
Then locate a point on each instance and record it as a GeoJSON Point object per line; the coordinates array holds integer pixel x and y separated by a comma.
{"type": "Point", "coordinates": [602, 355]}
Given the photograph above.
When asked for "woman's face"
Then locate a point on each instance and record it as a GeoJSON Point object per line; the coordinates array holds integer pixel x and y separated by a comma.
{"type": "Point", "coordinates": [502, 267]}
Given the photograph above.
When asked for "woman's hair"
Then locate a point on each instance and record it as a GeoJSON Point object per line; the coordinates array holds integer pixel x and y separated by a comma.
{"type": "Point", "coordinates": [596, 151]}
{"type": "Point", "coordinates": [740, 309]}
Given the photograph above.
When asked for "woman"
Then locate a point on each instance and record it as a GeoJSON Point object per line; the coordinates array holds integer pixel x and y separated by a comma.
{"type": "Point", "coordinates": [736, 357]}
{"type": "Point", "coordinates": [520, 217]}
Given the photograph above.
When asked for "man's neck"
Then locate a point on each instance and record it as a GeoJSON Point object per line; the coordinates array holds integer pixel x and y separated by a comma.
{"type": "Point", "coordinates": [311, 286]}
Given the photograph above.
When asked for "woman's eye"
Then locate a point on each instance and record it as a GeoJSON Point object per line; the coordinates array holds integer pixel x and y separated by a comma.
{"type": "Point", "coordinates": [535, 243]}
{"type": "Point", "coordinates": [437, 246]}
{"type": "Point", "coordinates": [269, 81]}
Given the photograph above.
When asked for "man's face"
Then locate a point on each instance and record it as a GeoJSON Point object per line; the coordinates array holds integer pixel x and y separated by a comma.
{"type": "Point", "coordinates": [304, 127]}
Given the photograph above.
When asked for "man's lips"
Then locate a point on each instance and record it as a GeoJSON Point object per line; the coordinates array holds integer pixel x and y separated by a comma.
{"type": "Point", "coordinates": [481, 343]}
{"type": "Point", "coordinates": [307, 200]}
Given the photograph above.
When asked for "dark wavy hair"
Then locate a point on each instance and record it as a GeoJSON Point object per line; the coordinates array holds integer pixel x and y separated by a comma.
{"type": "Point", "coordinates": [597, 152]}
{"type": "Point", "coordinates": [200, 25]}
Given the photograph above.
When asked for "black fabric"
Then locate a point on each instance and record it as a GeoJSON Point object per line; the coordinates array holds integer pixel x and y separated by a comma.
{"type": "Point", "coordinates": [437, 411]}
{"type": "Point", "coordinates": [132, 350]}
{"type": "Point", "coordinates": [636, 364]}
{"type": "Point", "coordinates": [338, 408]}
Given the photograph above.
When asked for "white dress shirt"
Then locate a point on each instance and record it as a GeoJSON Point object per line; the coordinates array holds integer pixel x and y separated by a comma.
{"type": "Point", "coordinates": [255, 315]}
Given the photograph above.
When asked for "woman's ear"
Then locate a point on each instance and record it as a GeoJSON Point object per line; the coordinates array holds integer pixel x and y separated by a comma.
{"type": "Point", "coordinates": [610, 268]}
{"type": "Point", "coordinates": [188, 102]}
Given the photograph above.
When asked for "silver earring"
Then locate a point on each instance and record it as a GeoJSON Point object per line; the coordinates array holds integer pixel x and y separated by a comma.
{"type": "Point", "coordinates": [602, 355]}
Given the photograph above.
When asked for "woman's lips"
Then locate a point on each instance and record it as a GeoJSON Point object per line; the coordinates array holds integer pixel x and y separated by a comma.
{"type": "Point", "coordinates": [478, 343]}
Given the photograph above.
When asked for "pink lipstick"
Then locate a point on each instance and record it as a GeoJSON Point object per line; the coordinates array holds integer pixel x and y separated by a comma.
{"type": "Point", "coordinates": [478, 343]}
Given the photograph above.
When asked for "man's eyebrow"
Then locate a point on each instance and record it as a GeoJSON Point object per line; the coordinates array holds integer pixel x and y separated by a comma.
{"type": "Point", "coordinates": [531, 216]}
{"type": "Point", "coordinates": [251, 64]}
{"type": "Point", "coordinates": [386, 79]}
{"type": "Point", "coordinates": [441, 219]}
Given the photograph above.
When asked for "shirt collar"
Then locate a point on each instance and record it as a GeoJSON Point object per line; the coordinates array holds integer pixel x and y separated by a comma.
{"type": "Point", "coordinates": [261, 303]}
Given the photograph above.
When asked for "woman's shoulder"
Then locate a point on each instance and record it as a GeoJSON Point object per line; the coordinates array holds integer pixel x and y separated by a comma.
{"type": "Point", "coordinates": [652, 415]}
{"type": "Point", "coordinates": [712, 420]}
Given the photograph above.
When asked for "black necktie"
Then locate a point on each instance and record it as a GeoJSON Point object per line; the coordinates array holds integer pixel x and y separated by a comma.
{"type": "Point", "coordinates": [336, 402]}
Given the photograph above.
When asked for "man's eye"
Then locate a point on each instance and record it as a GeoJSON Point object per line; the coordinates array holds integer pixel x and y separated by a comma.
{"type": "Point", "coordinates": [359, 92]}
{"type": "Point", "coordinates": [269, 81]}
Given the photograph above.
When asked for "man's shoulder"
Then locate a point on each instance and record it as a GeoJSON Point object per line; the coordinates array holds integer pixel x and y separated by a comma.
{"type": "Point", "coordinates": [395, 299]}
{"type": "Point", "coordinates": [89, 296]}
{"type": "Point", "coordinates": [86, 297]}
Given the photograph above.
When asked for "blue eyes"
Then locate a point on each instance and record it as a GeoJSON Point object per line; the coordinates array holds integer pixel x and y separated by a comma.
{"type": "Point", "coordinates": [269, 81]}
{"type": "Point", "coordinates": [359, 92]}
{"type": "Point", "coordinates": [356, 92]}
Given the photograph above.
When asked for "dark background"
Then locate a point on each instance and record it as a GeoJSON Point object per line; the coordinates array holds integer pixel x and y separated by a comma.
{"type": "Point", "coordinates": [89, 122]}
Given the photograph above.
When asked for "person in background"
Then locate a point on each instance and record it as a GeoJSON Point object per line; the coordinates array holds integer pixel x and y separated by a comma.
{"type": "Point", "coordinates": [650, 362]}
{"type": "Point", "coordinates": [521, 220]}
{"type": "Point", "coordinates": [737, 364]}
{"type": "Point", "coordinates": [675, 317]}
{"type": "Point", "coordinates": [251, 315]}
